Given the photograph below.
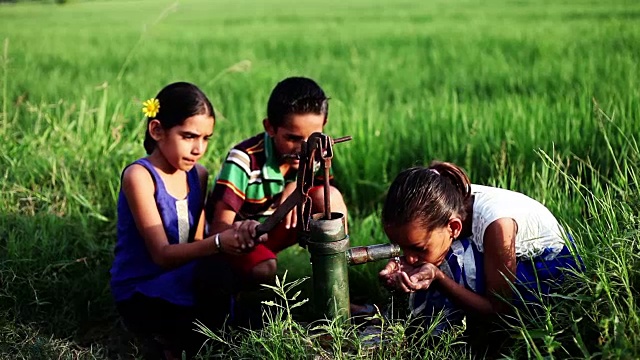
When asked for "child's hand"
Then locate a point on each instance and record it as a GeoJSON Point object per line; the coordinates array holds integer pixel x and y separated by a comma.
{"type": "Point", "coordinates": [422, 277]}
{"type": "Point", "coordinates": [241, 237]}
{"type": "Point", "coordinates": [291, 220]}
{"type": "Point", "coordinates": [394, 275]}
{"type": "Point", "coordinates": [392, 266]}
{"type": "Point", "coordinates": [401, 275]}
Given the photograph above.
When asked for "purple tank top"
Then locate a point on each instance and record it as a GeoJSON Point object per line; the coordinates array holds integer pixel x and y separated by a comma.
{"type": "Point", "coordinates": [133, 270]}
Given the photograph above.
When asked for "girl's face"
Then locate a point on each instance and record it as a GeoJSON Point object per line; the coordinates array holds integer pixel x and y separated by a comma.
{"type": "Point", "coordinates": [183, 145]}
{"type": "Point", "coordinates": [421, 246]}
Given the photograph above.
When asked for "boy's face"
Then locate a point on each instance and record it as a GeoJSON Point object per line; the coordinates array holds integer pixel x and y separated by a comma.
{"type": "Point", "coordinates": [288, 137]}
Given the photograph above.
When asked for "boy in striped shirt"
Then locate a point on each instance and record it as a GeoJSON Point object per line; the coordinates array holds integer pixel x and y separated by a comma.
{"type": "Point", "coordinates": [257, 176]}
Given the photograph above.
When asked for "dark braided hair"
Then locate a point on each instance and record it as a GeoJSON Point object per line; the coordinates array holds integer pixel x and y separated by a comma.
{"type": "Point", "coordinates": [178, 102]}
{"type": "Point", "coordinates": [430, 195]}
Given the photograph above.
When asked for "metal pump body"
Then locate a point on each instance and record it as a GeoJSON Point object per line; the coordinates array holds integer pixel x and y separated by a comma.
{"type": "Point", "coordinates": [324, 234]}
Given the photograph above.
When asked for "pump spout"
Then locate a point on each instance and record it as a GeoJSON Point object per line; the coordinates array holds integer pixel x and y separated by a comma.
{"type": "Point", "coordinates": [365, 254]}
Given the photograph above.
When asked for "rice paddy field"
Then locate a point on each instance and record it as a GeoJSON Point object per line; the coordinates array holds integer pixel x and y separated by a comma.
{"type": "Point", "coordinates": [536, 96]}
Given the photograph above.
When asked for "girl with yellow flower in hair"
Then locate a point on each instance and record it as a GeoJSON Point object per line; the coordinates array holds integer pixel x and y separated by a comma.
{"type": "Point", "coordinates": [160, 225]}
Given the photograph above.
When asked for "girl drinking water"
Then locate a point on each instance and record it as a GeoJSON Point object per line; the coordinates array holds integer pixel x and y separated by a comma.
{"type": "Point", "coordinates": [469, 249]}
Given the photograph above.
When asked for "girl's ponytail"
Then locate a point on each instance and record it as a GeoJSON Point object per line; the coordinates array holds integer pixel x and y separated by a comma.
{"type": "Point", "coordinates": [455, 174]}
{"type": "Point", "coordinates": [427, 195]}
{"type": "Point", "coordinates": [177, 102]}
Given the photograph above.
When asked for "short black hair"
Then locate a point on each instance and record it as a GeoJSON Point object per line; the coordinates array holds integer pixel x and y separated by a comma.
{"type": "Point", "coordinates": [296, 96]}
{"type": "Point", "coordinates": [178, 102]}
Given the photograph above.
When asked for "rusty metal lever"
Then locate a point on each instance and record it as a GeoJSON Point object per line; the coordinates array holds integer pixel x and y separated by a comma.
{"type": "Point", "coordinates": [318, 148]}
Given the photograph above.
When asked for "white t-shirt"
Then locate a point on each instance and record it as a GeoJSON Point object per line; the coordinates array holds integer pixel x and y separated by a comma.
{"type": "Point", "coordinates": [538, 229]}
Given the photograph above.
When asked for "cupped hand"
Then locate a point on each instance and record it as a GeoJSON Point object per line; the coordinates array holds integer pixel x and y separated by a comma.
{"type": "Point", "coordinates": [423, 276]}
{"type": "Point", "coordinates": [400, 275]}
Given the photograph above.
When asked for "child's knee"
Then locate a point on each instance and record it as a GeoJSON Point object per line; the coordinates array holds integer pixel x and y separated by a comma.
{"type": "Point", "coordinates": [336, 196]}
{"type": "Point", "coordinates": [337, 201]}
{"type": "Point", "coordinates": [265, 272]}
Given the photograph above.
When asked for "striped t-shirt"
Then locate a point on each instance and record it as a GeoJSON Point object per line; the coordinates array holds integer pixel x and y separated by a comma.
{"type": "Point", "coordinates": [250, 181]}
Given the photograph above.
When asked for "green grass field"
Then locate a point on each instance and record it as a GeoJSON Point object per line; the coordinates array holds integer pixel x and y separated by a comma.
{"type": "Point", "coordinates": [536, 96]}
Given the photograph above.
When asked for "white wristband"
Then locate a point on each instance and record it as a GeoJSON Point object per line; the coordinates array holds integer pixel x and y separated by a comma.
{"type": "Point", "coordinates": [216, 240]}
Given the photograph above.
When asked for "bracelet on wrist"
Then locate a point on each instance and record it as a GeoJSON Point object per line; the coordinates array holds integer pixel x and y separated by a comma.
{"type": "Point", "coordinates": [216, 240]}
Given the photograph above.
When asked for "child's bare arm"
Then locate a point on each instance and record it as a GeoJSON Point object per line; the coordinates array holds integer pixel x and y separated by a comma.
{"type": "Point", "coordinates": [139, 190]}
{"type": "Point", "coordinates": [203, 175]}
{"type": "Point", "coordinates": [138, 187]}
{"type": "Point", "coordinates": [499, 267]}
{"type": "Point", "coordinates": [466, 299]}
{"type": "Point", "coordinates": [291, 220]}
{"type": "Point", "coordinates": [500, 261]}
{"type": "Point", "coordinates": [223, 217]}
{"type": "Point", "coordinates": [228, 193]}
{"type": "Point", "coordinates": [200, 229]}
{"type": "Point", "coordinates": [223, 221]}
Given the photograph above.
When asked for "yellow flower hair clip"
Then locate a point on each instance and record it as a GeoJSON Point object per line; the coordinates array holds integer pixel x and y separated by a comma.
{"type": "Point", "coordinates": [151, 107]}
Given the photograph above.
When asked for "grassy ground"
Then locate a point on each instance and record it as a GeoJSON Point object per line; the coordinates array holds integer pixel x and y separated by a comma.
{"type": "Point", "coordinates": [536, 96]}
